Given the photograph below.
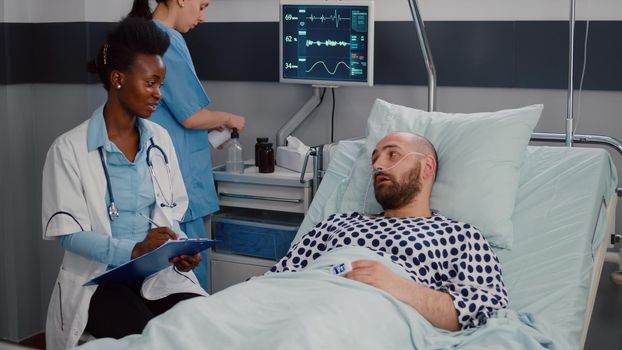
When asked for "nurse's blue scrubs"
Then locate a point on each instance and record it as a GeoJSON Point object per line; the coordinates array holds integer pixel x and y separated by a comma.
{"type": "Point", "coordinates": [182, 96]}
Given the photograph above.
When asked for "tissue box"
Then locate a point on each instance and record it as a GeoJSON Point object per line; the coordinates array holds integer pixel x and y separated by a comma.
{"type": "Point", "coordinates": [292, 159]}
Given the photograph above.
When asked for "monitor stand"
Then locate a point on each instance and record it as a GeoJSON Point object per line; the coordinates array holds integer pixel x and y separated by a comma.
{"type": "Point", "coordinates": [301, 115]}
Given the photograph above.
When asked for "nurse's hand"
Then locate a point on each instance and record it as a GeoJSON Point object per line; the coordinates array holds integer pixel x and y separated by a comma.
{"type": "Point", "coordinates": [235, 121]}
{"type": "Point", "coordinates": [155, 238]}
{"type": "Point", "coordinates": [186, 263]}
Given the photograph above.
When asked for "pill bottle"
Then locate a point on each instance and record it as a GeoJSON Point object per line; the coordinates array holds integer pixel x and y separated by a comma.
{"type": "Point", "coordinates": [260, 141]}
{"type": "Point", "coordinates": [266, 158]}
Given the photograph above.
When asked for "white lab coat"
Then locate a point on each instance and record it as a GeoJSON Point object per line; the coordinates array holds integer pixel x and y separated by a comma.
{"type": "Point", "coordinates": [74, 192]}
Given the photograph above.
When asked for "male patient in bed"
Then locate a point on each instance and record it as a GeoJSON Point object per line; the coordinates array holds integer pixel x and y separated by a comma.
{"type": "Point", "coordinates": [455, 278]}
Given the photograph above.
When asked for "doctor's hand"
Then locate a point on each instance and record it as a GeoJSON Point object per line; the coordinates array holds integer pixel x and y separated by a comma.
{"type": "Point", "coordinates": [186, 263]}
{"type": "Point", "coordinates": [375, 273]}
{"type": "Point", "coordinates": [155, 238]}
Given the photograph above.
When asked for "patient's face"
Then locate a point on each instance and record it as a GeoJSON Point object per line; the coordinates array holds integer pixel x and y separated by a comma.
{"type": "Point", "coordinates": [395, 193]}
{"type": "Point", "coordinates": [399, 181]}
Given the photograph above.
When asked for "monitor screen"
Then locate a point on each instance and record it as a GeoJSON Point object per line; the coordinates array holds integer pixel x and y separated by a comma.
{"type": "Point", "coordinates": [327, 43]}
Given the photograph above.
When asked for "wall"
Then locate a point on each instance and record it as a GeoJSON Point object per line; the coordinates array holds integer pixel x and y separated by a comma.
{"type": "Point", "coordinates": [19, 297]}
{"type": "Point", "coordinates": [7, 294]}
{"type": "Point", "coordinates": [434, 10]}
{"type": "Point", "coordinates": [41, 112]}
{"type": "Point", "coordinates": [72, 105]}
{"type": "Point", "coordinates": [4, 297]}
{"type": "Point", "coordinates": [23, 221]}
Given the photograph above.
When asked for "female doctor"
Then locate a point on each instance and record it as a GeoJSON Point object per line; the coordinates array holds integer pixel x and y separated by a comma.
{"type": "Point", "coordinates": [104, 183]}
{"type": "Point", "coordinates": [183, 111]}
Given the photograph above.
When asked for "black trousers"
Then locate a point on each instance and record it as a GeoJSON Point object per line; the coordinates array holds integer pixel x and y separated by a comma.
{"type": "Point", "coordinates": [118, 310]}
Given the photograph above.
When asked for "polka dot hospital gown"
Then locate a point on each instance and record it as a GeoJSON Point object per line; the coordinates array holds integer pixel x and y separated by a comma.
{"type": "Point", "coordinates": [437, 252]}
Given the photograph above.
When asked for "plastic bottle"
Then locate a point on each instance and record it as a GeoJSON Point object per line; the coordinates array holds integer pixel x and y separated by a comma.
{"type": "Point", "coordinates": [266, 158]}
{"type": "Point", "coordinates": [235, 162]}
{"type": "Point", "coordinates": [217, 138]}
{"type": "Point", "coordinates": [260, 141]}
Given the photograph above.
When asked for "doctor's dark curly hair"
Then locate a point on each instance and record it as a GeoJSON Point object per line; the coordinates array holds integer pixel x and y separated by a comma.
{"type": "Point", "coordinates": [131, 36]}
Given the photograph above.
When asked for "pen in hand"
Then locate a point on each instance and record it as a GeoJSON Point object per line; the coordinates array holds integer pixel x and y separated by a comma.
{"type": "Point", "coordinates": [150, 220]}
{"type": "Point", "coordinates": [156, 225]}
{"type": "Point", "coordinates": [183, 263]}
{"type": "Point", "coordinates": [155, 237]}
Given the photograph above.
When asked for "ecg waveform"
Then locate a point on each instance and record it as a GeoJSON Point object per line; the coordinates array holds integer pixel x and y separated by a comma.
{"type": "Point", "coordinates": [325, 67]}
{"type": "Point", "coordinates": [336, 18]}
{"type": "Point", "coordinates": [327, 43]}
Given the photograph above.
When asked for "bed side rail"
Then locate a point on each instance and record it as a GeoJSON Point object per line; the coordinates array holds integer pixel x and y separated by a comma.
{"type": "Point", "coordinates": [584, 139]}
{"type": "Point", "coordinates": [612, 257]}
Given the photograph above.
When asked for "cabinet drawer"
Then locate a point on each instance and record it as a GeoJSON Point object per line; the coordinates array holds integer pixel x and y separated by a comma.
{"type": "Point", "coordinates": [268, 197]}
{"type": "Point", "coordinates": [251, 238]}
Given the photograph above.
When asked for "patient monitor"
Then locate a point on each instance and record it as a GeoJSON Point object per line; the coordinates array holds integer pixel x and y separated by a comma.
{"type": "Point", "coordinates": [328, 43]}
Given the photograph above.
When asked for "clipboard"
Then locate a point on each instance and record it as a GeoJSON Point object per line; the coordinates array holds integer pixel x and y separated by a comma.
{"type": "Point", "coordinates": [152, 262]}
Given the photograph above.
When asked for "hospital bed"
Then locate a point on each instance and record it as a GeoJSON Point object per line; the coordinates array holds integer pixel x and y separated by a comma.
{"type": "Point", "coordinates": [563, 220]}
{"type": "Point", "coordinates": [564, 214]}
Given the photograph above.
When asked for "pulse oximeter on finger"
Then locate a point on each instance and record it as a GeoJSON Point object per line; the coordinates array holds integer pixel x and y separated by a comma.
{"type": "Point", "coordinates": [342, 269]}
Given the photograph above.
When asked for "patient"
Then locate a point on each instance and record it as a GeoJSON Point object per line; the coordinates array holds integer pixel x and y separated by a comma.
{"type": "Point", "coordinates": [455, 277]}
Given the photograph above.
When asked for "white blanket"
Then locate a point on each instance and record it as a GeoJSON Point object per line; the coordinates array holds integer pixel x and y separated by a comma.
{"type": "Point", "coordinates": [314, 309]}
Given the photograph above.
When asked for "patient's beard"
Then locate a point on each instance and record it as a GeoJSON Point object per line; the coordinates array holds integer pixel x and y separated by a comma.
{"type": "Point", "coordinates": [397, 195]}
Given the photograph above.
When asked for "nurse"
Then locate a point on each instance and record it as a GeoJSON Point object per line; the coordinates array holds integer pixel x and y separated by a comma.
{"type": "Point", "coordinates": [182, 111]}
{"type": "Point", "coordinates": [99, 197]}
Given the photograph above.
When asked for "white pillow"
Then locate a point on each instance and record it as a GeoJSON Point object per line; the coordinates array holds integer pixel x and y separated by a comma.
{"type": "Point", "coordinates": [479, 159]}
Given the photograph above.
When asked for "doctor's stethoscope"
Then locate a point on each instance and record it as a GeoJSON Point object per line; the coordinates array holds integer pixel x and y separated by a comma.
{"type": "Point", "coordinates": [113, 212]}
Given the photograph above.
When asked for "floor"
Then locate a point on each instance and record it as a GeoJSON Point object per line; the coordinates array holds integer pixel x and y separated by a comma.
{"type": "Point", "coordinates": [604, 332]}
{"type": "Point", "coordinates": [34, 342]}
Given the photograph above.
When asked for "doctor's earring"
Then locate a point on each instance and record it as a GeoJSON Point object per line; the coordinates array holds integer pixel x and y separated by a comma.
{"type": "Point", "coordinates": [118, 87]}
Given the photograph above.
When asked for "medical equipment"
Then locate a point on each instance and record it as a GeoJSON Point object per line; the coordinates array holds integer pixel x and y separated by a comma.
{"type": "Point", "coordinates": [113, 212]}
{"type": "Point", "coordinates": [378, 171]}
{"type": "Point", "coordinates": [166, 203]}
{"type": "Point", "coordinates": [342, 269]}
{"type": "Point", "coordinates": [542, 214]}
{"type": "Point", "coordinates": [327, 43]}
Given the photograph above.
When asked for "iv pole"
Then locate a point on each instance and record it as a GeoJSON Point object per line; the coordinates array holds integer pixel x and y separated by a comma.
{"type": "Point", "coordinates": [427, 53]}
{"type": "Point", "coordinates": [570, 106]}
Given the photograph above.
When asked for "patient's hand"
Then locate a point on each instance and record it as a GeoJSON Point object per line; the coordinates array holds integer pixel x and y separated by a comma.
{"type": "Point", "coordinates": [186, 263]}
{"type": "Point", "coordinates": [436, 306]}
{"type": "Point", "coordinates": [378, 275]}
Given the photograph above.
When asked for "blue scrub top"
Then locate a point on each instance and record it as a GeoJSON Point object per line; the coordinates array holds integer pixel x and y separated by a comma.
{"type": "Point", "coordinates": [182, 96]}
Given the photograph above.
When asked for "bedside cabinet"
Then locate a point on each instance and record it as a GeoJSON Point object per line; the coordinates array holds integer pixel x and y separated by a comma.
{"type": "Point", "coordinates": [260, 215]}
